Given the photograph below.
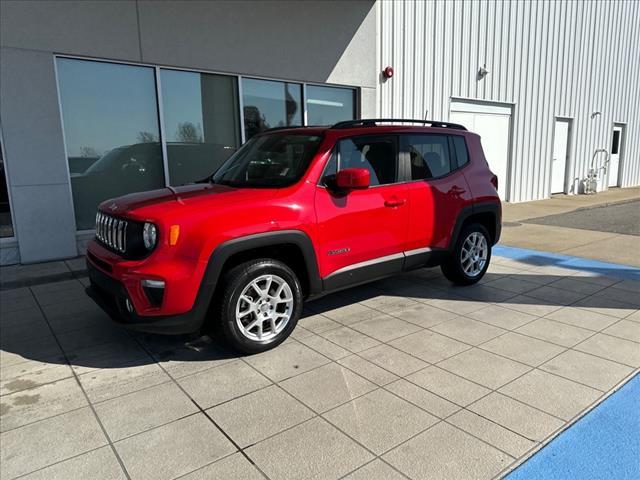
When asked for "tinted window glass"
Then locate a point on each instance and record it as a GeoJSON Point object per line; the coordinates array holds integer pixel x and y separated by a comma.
{"type": "Point", "coordinates": [110, 118]}
{"type": "Point", "coordinates": [616, 142]}
{"type": "Point", "coordinates": [6, 227]}
{"type": "Point", "coordinates": [269, 104]}
{"type": "Point", "coordinates": [460, 145]}
{"type": "Point", "coordinates": [269, 161]}
{"type": "Point", "coordinates": [376, 154]}
{"type": "Point", "coordinates": [329, 105]}
{"type": "Point", "coordinates": [201, 123]}
{"type": "Point", "coordinates": [428, 155]}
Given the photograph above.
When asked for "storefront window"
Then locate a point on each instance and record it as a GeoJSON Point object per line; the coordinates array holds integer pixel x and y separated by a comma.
{"type": "Point", "coordinates": [329, 105]}
{"type": "Point", "coordinates": [269, 104]}
{"type": "Point", "coordinates": [6, 227]}
{"type": "Point", "coordinates": [201, 122]}
{"type": "Point", "coordinates": [110, 120]}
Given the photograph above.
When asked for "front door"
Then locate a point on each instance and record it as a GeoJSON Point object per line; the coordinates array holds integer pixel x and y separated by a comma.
{"type": "Point", "coordinates": [560, 156]}
{"type": "Point", "coordinates": [614, 160]}
{"type": "Point", "coordinates": [367, 228]}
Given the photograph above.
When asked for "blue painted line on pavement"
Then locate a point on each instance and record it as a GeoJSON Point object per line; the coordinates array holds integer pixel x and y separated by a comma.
{"type": "Point", "coordinates": [539, 258]}
{"type": "Point", "coordinates": [602, 445]}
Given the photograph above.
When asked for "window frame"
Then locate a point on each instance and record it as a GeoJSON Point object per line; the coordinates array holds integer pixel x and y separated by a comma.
{"type": "Point", "coordinates": [157, 67]}
{"type": "Point", "coordinates": [335, 150]}
{"type": "Point", "coordinates": [453, 158]}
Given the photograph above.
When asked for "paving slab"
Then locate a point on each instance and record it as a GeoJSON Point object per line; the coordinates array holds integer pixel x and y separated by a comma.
{"type": "Point", "coordinates": [587, 369]}
{"type": "Point", "coordinates": [223, 383]}
{"type": "Point", "coordinates": [376, 470]}
{"type": "Point", "coordinates": [234, 466]}
{"type": "Point", "coordinates": [422, 398]}
{"type": "Point", "coordinates": [173, 449]}
{"type": "Point", "coordinates": [327, 387]}
{"type": "Point", "coordinates": [484, 367]}
{"type": "Point", "coordinates": [83, 466]}
{"type": "Point", "coordinates": [552, 394]}
{"type": "Point", "coordinates": [368, 370]}
{"type": "Point", "coordinates": [54, 439]}
{"type": "Point", "coordinates": [393, 360]}
{"type": "Point", "coordinates": [448, 386]}
{"type": "Point", "coordinates": [444, 451]}
{"type": "Point", "coordinates": [136, 412]}
{"type": "Point", "coordinates": [258, 415]}
{"type": "Point", "coordinates": [501, 438]}
{"type": "Point", "coordinates": [380, 420]}
{"type": "Point", "coordinates": [295, 453]}
{"type": "Point", "coordinates": [516, 416]}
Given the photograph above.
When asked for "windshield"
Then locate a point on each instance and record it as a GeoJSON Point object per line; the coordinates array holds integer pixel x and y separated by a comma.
{"type": "Point", "coordinates": [271, 160]}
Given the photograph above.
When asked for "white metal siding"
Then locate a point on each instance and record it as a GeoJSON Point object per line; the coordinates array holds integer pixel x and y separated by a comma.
{"type": "Point", "coordinates": [549, 59]}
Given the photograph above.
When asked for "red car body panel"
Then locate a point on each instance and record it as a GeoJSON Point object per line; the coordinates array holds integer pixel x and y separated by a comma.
{"type": "Point", "coordinates": [344, 230]}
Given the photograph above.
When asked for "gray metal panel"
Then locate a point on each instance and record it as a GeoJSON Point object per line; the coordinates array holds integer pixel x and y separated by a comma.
{"type": "Point", "coordinates": [564, 58]}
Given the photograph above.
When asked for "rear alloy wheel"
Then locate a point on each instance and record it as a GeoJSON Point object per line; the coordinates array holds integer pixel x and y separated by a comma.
{"type": "Point", "coordinates": [471, 255]}
{"type": "Point", "coordinates": [260, 305]}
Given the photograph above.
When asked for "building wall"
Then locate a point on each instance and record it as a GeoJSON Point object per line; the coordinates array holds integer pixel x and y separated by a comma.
{"type": "Point", "coordinates": [314, 41]}
{"type": "Point", "coordinates": [548, 59]}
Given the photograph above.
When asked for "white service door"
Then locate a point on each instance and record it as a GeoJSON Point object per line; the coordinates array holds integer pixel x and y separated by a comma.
{"type": "Point", "coordinates": [560, 156]}
{"type": "Point", "coordinates": [614, 159]}
{"type": "Point", "coordinates": [493, 129]}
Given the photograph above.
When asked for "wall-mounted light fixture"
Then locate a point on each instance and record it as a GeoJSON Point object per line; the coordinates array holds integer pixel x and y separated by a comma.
{"type": "Point", "coordinates": [595, 114]}
{"type": "Point", "coordinates": [387, 72]}
{"type": "Point", "coordinates": [482, 72]}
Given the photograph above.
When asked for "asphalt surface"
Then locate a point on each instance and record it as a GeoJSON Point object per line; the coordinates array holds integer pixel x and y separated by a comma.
{"type": "Point", "coordinates": [602, 445]}
{"type": "Point", "coordinates": [622, 218]}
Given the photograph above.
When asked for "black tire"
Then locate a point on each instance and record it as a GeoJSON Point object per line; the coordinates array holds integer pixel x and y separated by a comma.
{"type": "Point", "coordinates": [233, 283]}
{"type": "Point", "coordinates": [453, 269]}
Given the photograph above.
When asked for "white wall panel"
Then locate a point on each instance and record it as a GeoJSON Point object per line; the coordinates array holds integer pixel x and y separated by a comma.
{"type": "Point", "coordinates": [549, 59]}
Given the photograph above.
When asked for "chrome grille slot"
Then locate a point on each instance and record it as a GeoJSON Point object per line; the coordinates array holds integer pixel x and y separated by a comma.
{"type": "Point", "coordinates": [111, 232]}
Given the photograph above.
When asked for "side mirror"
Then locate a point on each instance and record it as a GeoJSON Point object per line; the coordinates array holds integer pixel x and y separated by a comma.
{"type": "Point", "coordinates": [353, 178]}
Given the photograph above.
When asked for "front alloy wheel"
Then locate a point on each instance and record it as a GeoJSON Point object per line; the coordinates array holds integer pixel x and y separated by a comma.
{"type": "Point", "coordinates": [259, 305]}
{"type": "Point", "coordinates": [264, 308]}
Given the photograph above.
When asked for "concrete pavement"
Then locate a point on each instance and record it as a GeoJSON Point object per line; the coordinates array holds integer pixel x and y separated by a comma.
{"type": "Point", "coordinates": [550, 225]}
{"type": "Point", "coordinates": [404, 378]}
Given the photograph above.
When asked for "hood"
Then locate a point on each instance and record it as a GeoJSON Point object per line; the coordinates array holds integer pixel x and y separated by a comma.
{"type": "Point", "coordinates": [175, 197]}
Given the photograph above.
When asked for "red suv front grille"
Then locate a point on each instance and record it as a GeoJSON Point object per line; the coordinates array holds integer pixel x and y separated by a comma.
{"type": "Point", "coordinates": [111, 232]}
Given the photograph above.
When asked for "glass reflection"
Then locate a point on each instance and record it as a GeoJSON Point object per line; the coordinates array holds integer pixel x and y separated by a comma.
{"type": "Point", "coordinates": [6, 227]}
{"type": "Point", "coordinates": [269, 104]}
{"type": "Point", "coordinates": [201, 123]}
{"type": "Point", "coordinates": [111, 131]}
{"type": "Point", "coordinates": [329, 105]}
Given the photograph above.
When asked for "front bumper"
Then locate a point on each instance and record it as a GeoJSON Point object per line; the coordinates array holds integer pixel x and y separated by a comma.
{"type": "Point", "coordinates": [111, 295]}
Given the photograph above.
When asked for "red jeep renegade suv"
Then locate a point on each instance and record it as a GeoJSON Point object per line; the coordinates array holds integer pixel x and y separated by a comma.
{"type": "Point", "coordinates": [293, 214]}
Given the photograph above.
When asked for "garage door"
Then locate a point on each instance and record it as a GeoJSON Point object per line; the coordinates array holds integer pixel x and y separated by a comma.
{"type": "Point", "coordinates": [492, 123]}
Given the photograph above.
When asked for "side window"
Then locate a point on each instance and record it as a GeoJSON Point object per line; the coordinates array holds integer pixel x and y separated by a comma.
{"type": "Point", "coordinates": [428, 156]}
{"type": "Point", "coordinates": [461, 150]}
{"type": "Point", "coordinates": [376, 154]}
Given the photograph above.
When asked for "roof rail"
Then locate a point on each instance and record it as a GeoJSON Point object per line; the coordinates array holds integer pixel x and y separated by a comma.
{"type": "Point", "coordinates": [372, 122]}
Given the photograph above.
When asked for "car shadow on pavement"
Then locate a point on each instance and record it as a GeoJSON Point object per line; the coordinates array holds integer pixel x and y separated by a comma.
{"type": "Point", "coordinates": [100, 344]}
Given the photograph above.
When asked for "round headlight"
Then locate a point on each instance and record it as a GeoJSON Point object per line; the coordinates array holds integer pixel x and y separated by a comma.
{"type": "Point", "coordinates": [149, 235]}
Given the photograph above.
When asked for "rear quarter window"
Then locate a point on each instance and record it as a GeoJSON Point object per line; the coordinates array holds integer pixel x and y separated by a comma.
{"type": "Point", "coordinates": [462, 154]}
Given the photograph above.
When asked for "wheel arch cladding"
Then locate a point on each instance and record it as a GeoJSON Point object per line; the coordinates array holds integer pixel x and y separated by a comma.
{"type": "Point", "coordinates": [485, 213]}
{"type": "Point", "coordinates": [292, 247]}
